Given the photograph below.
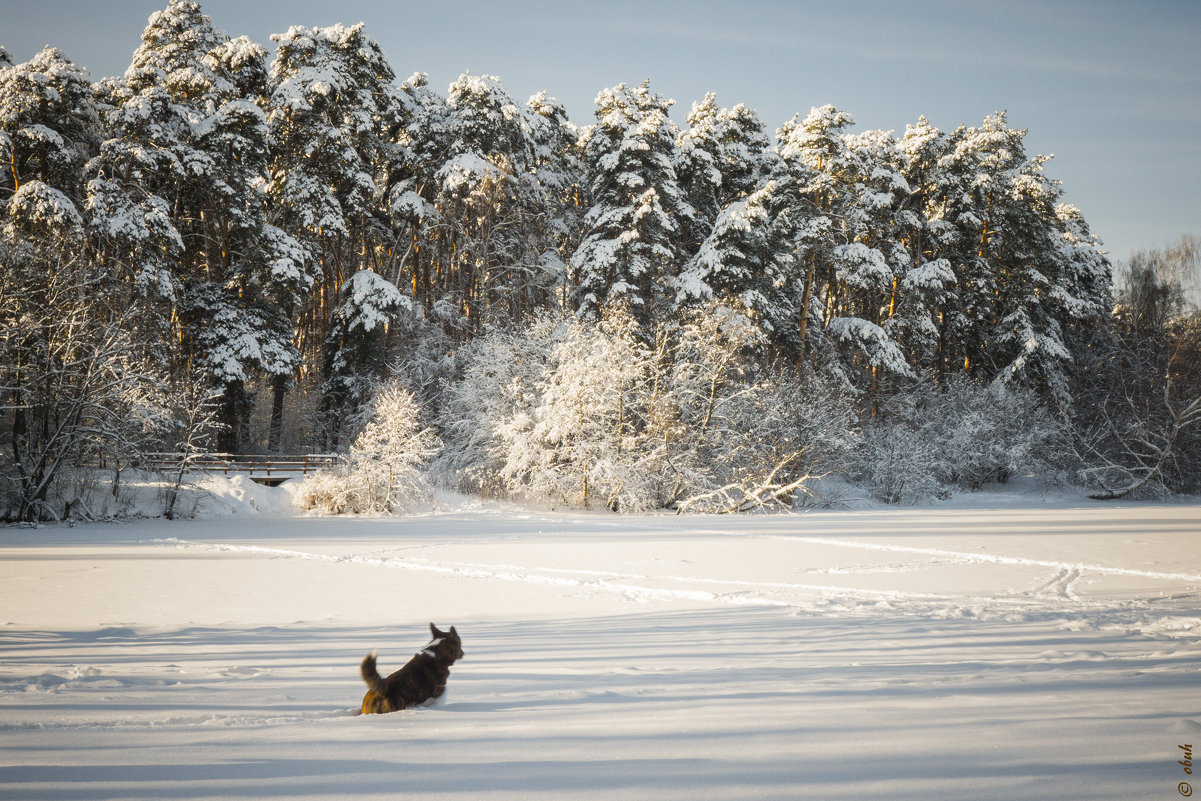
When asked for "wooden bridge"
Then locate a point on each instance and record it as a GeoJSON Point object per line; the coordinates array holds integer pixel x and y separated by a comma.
{"type": "Point", "coordinates": [272, 470]}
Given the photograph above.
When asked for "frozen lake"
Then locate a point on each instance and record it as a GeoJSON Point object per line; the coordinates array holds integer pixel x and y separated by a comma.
{"type": "Point", "coordinates": [1021, 649]}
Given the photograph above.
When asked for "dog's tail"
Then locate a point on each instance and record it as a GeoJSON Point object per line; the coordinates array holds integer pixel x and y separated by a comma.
{"type": "Point", "coordinates": [370, 674]}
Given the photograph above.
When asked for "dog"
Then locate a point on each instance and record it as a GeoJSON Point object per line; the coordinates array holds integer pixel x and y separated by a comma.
{"type": "Point", "coordinates": [420, 681]}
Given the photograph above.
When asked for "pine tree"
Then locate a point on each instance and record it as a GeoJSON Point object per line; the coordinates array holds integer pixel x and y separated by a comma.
{"type": "Point", "coordinates": [823, 177]}
{"type": "Point", "coordinates": [355, 350]}
{"type": "Point", "coordinates": [49, 125]}
{"type": "Point", "coordinates": [175, 203]}
{"type": "Point", "coordinates": [744, 260]}
{"type": "Point", "coordinates": [330, 107]}
{"type": "Point", "coordinates": [559, 171]}
{"type": "Point", "coordinates": [720, 159]}
{"type": "Point", "coordinates": [922, 297]}
{"type": "Point", "coordinates": [422, 143]}
{"type": "Point", "coordinates": [492, 209]}
{"type": "Point", "coordinates": [1026, 271]}
{"type": "Point", "coordinates": [869, 267]}
{"type": "Point", "coordinates": [331, 117]}
{"type": "Point", "coordinates": [632, 244]}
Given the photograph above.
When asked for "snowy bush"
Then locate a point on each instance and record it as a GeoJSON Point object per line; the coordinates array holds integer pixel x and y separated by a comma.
{"type": "Point", "coordinates": [584, 441]}
{"type": "Point", "coordinates": [381, 473]}
{"type": "Point", "coordinates": [499, 383]}
{"type": "Point", "coordinates": [991, 433]}
{"type": "Point", "coordinates": [745, 433]}
{"type": "Point", "coordinates": [963, 435]}
{"type": "Point", "coordinates": [897, 464]}
{"type": "Point", "coordinates": [1137, 414]}
{"type": "Point", "coordinates": [599, 414]}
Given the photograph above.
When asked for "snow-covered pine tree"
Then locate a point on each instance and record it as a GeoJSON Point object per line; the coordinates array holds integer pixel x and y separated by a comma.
{"type": "Point", "coordinates": [1018, 278]}
{"type": "Point", "coordinates": [868, 268]}
{"type": "Point", "coordinates": [741, 253]}
{"type": "Point", "coordinates": [176, 206]}
{"type": "Point", "coordinates": [332, 116]}
{"type": "Point", "coordinates": [979, 167]}
{"type": "Point", "coordinates": [492, 211]}
{"type": "Point", "coordinates": [827, 200]}
{"type": "Point", "coordinates": [422, 142]}
{"type": "Point", "coordinates": [1086, 293]}
{"type": "Point", "coordinates": [356, 352]}
{"type": "Point", "coordinates": [719, 159]}
{"type": "Point", "coordinates": [745, 260]}
{"type": "Point", "coordinates": [559, 170]}
{"type": "Point", "coordinates": [632, 243]}
{"type": "Point", "coordinates": [330, 109]}
{"type": "Point", "coordinates": [49, 125]}
{"type": "Point", "coordinates": [132, 225]}
{"type": "Point", "coordinates": [922, 295]}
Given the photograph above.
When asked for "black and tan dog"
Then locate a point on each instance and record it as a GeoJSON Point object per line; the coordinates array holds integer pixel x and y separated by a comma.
{"type": "Point", "coordinates": [422, 680]}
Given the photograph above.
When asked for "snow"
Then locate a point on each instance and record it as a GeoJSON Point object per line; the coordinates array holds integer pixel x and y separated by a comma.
{"type": "Point", "coordinates": [40, 204]}
{"type": "Point", "coordinates": [861, 266]}
{"type": "Point", "coordinates": [370, 301]}
{"type": "Point", "coordinates": [465, 170]}
{"type": "Point", "coordinates": [873, 340]}
{"type": "Point", "coordinates": [1001, 645]}
{"type": "Point", "coordinates": [931, 275]}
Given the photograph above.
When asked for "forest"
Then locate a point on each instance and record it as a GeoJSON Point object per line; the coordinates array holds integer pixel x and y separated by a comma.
{"type": "Point", "coordinates": [234, 250]}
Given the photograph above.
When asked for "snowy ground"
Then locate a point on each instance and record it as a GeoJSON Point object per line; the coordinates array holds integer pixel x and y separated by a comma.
{"type": "Point", "coordinates": [997, 648]}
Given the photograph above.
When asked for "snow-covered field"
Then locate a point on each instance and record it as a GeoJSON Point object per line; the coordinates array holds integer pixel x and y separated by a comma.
{"type": "Point", "coordinates": [998, 648]}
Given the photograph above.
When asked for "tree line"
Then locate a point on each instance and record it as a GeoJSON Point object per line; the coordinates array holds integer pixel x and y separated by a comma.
{"type": "Point", "coordinates": [231, 250]}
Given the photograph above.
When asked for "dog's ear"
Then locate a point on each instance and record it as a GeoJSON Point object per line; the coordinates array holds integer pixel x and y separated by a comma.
{"type": "Point", "coordinates": [434, 631]}
{"type": "Point", "coordinates": [454, 633]}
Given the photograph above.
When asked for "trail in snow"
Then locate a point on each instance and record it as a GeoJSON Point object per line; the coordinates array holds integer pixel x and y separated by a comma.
{"type": "Point", "coordinates": [960, 556]}
{"type": "Point", "coordinates": [1044, 595]}
{"type": "Point", "coordinates": [591, 579]}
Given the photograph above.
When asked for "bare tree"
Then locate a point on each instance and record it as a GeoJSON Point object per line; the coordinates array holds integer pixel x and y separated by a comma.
{"type": "Point", "coordinates": [197, 406]}
{"type": "Point", "coordinates": [74, 387]}
{"type": "Point", "coordinates": [1139, 401]}
{"type": "Point", "coordinates": [1145, 450]}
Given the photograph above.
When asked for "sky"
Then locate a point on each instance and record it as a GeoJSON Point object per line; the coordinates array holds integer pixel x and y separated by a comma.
{"type": "Point", "coordinates": [1111, 89]}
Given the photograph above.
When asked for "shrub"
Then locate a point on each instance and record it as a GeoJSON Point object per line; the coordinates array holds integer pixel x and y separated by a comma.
{"type": "Point", "coordinates": [382, 471]}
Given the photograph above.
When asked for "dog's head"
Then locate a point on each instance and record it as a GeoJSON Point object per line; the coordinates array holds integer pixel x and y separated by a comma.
{"type": "Point", "coordinates": [446, 647]}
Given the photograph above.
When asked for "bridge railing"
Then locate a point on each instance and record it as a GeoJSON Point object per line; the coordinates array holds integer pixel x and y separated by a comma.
{"type": "Point", "coordinates": [233, 463]}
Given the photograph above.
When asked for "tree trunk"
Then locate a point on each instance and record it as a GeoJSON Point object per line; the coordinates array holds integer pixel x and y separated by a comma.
{"type": "Point", "coordinates": [279, 388]}
{"type": "Point", "coordinates": [804, 328]}
{"type": "Point", "coordinates": [230, 419]}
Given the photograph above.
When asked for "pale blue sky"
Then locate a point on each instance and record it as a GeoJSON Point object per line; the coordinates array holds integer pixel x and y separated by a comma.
{"type": "Point", "coordinates": [1112, 89]}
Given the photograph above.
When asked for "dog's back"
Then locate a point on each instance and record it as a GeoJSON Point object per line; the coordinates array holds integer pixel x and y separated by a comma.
{"type": "Point", "coordinates": [421, 680]}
